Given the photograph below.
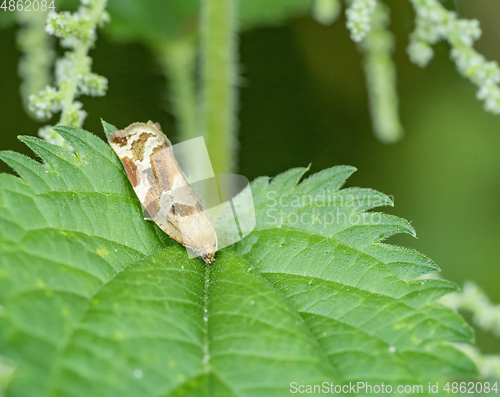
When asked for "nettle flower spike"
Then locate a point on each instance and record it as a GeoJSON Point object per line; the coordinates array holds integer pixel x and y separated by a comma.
{"type": "Point", "coordinates": [92, 84]}
{"type": "Point", "coordinates": [45, 103]}
{"type": "Point", "coordinates": [73, 74]}
{"type": "Point", "coordinates": [359, 17]}
{"type": "Point", "coordinates": [70, 26]}
{"type": "Point", "coordinates": [435, 23]}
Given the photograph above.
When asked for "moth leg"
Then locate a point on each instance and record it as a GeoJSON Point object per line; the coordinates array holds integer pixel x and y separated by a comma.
{"type": "Point", "coordinates": [147, 218]}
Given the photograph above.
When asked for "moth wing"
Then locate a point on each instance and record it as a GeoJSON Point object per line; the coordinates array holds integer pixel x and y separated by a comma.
{"type": "Point", "coordinates": [161, 186]}
{"type": "Point", "coordinates": [188, 215]}
{"type": "Point", "coordinates": [172, 219]}
{"type": "Point", "coordinates": [172, 230]}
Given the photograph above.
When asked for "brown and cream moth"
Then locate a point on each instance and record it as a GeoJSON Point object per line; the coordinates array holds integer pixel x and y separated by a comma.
{"type": "Point", "coordinates": [162, 188]}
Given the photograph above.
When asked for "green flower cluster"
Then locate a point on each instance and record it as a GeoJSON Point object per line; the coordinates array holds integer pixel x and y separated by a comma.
{"type": "Point", "coordinates": [485, 314]}
{"type": "Point", "coordinates": [435, 23]}
{"type": "Point", "coordinates": [367, 21]}
{"type": "Point", "coordinates": [359, 18]}
{"type": "Point", "coordinates": [73, 76]}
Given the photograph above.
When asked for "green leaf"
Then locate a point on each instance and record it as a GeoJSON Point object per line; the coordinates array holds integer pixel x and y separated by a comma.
{"type": "Point", "coordinates": [95, 301]}
{"type": "Point", "coordinates": [108, 128]}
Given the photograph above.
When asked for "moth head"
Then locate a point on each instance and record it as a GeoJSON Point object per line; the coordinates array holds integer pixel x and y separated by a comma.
{"type": "Point", "coordinates": [208, 253]}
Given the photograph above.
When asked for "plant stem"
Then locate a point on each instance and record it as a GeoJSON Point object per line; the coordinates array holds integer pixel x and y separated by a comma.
{"type": "Point", "coordinates": [179, 62]}
{"type": "Point", "coordinates": [70, 92]}
{"type": "Point", "coordinates": [380, 73]}
{"type": "Point", "coordinates": [79, 56]}
{"type": "Point", "coordinates": [219, 70]}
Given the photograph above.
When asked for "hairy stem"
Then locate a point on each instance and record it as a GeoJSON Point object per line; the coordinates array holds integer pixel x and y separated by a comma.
{"type": "Point", "coordinates": [380, 74]}
{"type": "Point", "coordinates": [219, 70]}
{"type": "Point", "coordinates": [70, 93]}
{"type": "Point", "coordinates": [179, 62]}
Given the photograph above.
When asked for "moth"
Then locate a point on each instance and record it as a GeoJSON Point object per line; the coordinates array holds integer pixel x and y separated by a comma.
{"type": "Point", "coordinates": [159, 183]}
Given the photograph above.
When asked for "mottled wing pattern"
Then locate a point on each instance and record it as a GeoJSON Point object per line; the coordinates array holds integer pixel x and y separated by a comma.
{"type": "Point", "coordinates": [160, 185]}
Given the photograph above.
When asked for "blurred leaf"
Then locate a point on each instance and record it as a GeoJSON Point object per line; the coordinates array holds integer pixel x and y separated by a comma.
{"type": "Point", "coordinates": [156, 21]}
{"type": "Point", "coordinates": [264, 12]}
{"type": "Point", "coordinates": [7, 19]}
{"type": "Point", "coordinates": [153, 21]}
{"type": "Point", "coordinates": [98, 302]}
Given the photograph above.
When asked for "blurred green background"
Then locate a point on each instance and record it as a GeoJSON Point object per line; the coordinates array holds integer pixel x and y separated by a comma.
{"type": "Point", "coordinates": [303, 100]}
